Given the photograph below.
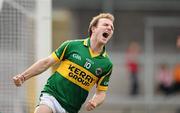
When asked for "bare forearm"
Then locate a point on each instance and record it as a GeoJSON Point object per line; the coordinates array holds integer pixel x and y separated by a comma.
{"type": "Point", "coordinates": [37, 68]}
{"type": "Point", "coordinates": [96, 100]}
{"type": "Point", "coordinates": [99, 98]}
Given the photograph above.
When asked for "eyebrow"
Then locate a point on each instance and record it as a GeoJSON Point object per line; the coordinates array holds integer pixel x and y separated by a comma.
{"type": "Point", "coordinates": [112, 27]}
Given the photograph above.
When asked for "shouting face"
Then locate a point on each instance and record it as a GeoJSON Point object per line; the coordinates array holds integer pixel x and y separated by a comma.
{"type": "Point", "coordinates": [103, 31]}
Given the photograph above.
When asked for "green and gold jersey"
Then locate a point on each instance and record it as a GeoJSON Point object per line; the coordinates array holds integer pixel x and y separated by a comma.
{"type": "Point", "coordinates": [77, 73]}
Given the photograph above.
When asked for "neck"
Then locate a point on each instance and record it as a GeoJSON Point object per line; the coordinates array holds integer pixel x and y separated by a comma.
{"type": "Point", "coordinates": [95, 45]}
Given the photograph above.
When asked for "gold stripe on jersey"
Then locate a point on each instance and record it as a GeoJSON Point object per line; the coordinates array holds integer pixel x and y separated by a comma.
{"type": "Point", "coordinates": [56, 57]}
{"type": "Point", "coordinates": [77, 74]}
{"type": "Point", "coordinates": [100, 87]}
{"type": "Point", "coordinates": [86, 42]}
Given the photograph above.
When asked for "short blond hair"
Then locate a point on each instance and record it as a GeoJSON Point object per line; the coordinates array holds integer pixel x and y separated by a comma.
{"type": "Point", "coordinates": [95, 20]}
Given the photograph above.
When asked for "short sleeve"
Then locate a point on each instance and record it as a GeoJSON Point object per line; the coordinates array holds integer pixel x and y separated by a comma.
{"type": "Point", "coordinates": [58, 54]}
{"type": "Point", "coordinates": [104, 81]}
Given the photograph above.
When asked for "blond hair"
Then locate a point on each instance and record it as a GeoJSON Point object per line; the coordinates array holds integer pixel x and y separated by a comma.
{"type": "Point", "coordinates": [95, 20]}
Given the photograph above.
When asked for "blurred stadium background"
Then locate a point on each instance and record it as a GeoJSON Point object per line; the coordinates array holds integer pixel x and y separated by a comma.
{"type": "Point", "coordinates": [32, 29]}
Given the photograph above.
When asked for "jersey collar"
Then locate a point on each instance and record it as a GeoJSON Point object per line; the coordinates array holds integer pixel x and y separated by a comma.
{"type": "Point", "coordinates": [87, 44]}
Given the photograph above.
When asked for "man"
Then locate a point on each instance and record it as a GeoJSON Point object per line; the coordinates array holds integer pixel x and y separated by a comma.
{"type": "Point", "coordinates": [132, 64]}
{"type": "Point", "coordinates": [83, 64]}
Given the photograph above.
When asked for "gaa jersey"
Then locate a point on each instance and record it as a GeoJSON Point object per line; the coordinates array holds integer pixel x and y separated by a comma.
{"type": "Point", "coordinates": [78, 72]}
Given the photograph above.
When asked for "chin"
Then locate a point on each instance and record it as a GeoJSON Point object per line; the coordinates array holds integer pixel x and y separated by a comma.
{"type": "Point", "coordinates": [103, 42]}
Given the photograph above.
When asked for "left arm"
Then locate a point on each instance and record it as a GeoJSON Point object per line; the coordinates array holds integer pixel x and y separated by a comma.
{"type": "Point", "coordinates": [100, 94]}
{"type": "Point", "coordinates": [96, 100]}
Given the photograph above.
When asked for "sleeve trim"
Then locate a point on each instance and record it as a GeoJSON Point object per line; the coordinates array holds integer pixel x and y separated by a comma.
{"type": "Point", "coordinates": [103, 77]}
{"type": "Point", "coordinates": [102, 88]}
{"type": "Point", "coordinates": [55, 57]}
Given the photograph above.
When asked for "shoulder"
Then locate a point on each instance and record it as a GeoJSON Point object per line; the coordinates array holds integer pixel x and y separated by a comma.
{"type": "Point", "coordinates": [106, 55]}
{"type": "Point", "coordinates": [71, 44]}
{"type": "Point", "coordinates": [107, 61]}
{"type": "Point", "coordinates": [74, 42]}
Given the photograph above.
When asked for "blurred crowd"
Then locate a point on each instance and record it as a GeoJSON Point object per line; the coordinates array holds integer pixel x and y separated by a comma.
{"type": "Point", "coordinates": [167, 76]}
{"type": "Point", "coordinates": [168, 79]}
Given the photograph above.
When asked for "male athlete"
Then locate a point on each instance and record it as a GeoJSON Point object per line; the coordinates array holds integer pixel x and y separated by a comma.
{"type": "Point", "coordinates": [84, 63]}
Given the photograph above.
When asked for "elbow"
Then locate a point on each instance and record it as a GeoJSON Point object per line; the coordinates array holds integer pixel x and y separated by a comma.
{"type": "Point", "coordinates": [44, 63]}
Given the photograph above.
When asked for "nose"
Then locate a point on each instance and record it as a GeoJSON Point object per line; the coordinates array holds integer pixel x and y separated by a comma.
{"type": "Point", "coordinates": [109, 28]}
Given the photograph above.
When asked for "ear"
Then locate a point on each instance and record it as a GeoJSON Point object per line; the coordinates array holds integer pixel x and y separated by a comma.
{"type": "Point", "coordinates": [93, 28]}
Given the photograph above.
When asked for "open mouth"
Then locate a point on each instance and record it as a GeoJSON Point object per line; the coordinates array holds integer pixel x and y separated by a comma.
{"type": "Point", "coordinates": [105, 35]}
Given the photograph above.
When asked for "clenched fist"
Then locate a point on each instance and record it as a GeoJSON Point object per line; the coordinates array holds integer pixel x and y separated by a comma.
{"type": "Point", "coordinates": [18, 80]}
{"type": "Point", "coordinates": [91, 105]}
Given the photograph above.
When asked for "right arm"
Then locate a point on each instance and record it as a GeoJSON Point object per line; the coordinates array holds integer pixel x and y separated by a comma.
{"type": "Point", "coordinates": [37, 68]}
{"type": "Point", "coordinates": [41, 65]}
